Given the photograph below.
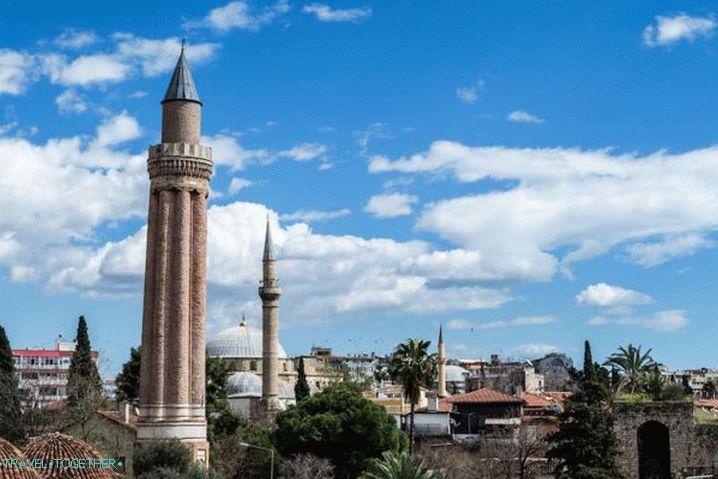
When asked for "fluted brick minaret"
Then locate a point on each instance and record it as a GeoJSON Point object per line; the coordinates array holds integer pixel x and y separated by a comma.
{"type": "Point", "coordinates": [441, 387]}
{"type": "Point", "coordinates": [269, 292]}
{"type": "Point", "coordinates": [172, 382]}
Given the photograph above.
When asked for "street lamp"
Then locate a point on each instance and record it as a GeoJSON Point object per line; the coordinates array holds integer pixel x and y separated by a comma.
{"type": "Point", "coordinates": [271, 451]}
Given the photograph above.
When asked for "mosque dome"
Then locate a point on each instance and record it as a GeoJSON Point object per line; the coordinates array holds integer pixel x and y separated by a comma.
{"type": "Point", "coordinates": [456, 374]}
{"type": "Point", "coordinates": [246, 384]}
{"type": "Point", "coordinates": [60, 446]}
{"type": "Point", "coordinates": [241, 341]}
{"type": "Point", "coordinates": [9, 452]}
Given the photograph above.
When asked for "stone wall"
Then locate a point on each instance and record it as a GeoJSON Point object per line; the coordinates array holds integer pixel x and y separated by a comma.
{"type": "Point", "coordinates": [692, 448]}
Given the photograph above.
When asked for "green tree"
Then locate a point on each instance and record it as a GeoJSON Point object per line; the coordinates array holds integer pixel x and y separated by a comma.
{"type": "Point", "coordinates": [301, 389]}
{"type": "Point", "coordinates": [585, 444]}
{"type": "Point", "coordinates": [221, 421]}
{"type": "Point", "coordinates": [400, 465]}
{"type": "Point", "coordinates": [340, 425]}
{"type": "Point", "coordinates": [655, 384]}
{"type": "Point", "coordinates": [633, 366]}
{"type": "Point", "coordinates": [128, 380]}
{"type": "Point", "coordinates": [84, 387]}
{"type": "Point", "coordinates": [232, 460]}
{"type": "Point", "coordinates": [11, 425]}
{"type": "Point", "coordinates": [709, 390]}
{"type": "Point", "coordinates": [162, 458]}
{"type": "Point", "coordinates": [82, 377]}
{"type": "Point", "coordinates": [414, 368]}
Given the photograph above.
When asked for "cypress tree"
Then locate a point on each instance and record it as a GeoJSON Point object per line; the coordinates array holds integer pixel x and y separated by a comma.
{"type": "Point", "coordinates": [83, 379]}
{"type": "Point", "coordinates": [128, 381]}
{"type": "Point", "coordinates": [587, 360]}
{"type": "Point", "coordinates": [301, 389]}
{"type": "Point", "coordinates": [585, 444]}
{"type": "Point", "coordinates": [10, 394]}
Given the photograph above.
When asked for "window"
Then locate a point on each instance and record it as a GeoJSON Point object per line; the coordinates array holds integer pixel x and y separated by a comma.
{"type": "Point", "coordinates": [253, 365]}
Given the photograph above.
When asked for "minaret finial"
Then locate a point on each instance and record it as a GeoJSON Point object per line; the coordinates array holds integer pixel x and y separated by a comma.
{"type": "Point", "coordinates": [184, 43]}
{"type": "Point", "coordinates": [268, 245]}
{"type": "Point", "coordinates": [441, 333]}
{"type": "Point", "coordinates": [181, 85]}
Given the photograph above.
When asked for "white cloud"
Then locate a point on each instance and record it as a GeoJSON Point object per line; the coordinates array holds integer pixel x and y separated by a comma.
{"type": "Point", "coordinates": [237, 184]}
{"type": "Point", "coordinates": [325, 13]}
{"type": "Point", "coordinates": [328, 276]}
{"type": "Point", "coordinates": [73, 39]}
{"type": "Point", "coordinates": [522, 116]}
{"type": "Point", "coordinates": [662, 321]}
{"type": "Point", "coordinates": [57, 194]}
{"type": "Point", "coordinates": [583, 202]}
{"type": "Point", "coordinates": [86, 70]}
{"type": "Point", "coordinates": [669, 30]}
{"type": "Point", "coordinates": [469, 94]}
{"type": "Point", "coordinates": [502, 323]}
{"type": "Point", "coordinates": [157, 56]}
{"type": "Point", "coordinates": [227, 151]}
{"type": "Point", "coordinates": [118, 129]}
{"type": "Point", "coordinates": [315, 216]}
{"type": "Point", "coordinates": [240, 15]}
{"type": "Point", "coordinates": [305, 151]}
{"type": "Point", "coordinates": [390, 205]}
{"type": "Point", "coordinates": [652, 254]}
{"type": "Point", "coordinates": [531, 350]}
{"type": "Point", "coordinates": [137, 94]}
{"type": "Point", "coordinates": [15, 71]}
{"type": "Point", "coordinates": [70, 101]}
{"type": "Point", "coordinates": [606, 295]}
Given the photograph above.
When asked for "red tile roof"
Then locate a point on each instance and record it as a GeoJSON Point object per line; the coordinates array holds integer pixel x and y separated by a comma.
{"type": "Point", "coordinates": [558, 396]}
{"type": "Point", "coordinates": [484, 396]}
{"type": "Point", "coordinates": [444, 406]}
{"type": "Point", "coordinates": [534, 400]}
{"type": "Point", "coordinates": [46, 353]}
{"type": "Point", "coordinates": [706, 403]}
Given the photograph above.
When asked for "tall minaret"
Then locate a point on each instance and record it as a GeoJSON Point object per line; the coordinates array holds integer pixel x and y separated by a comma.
{"type": "Point", "coordinates": [172, 383]}
{"type": "Point", "coordinates": [441, 389]}
{"type": "Point", "coordinates": [269, 292]}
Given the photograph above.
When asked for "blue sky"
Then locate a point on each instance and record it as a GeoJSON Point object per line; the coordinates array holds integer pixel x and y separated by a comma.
{"type": "Point", "coordinates": [529, 174]}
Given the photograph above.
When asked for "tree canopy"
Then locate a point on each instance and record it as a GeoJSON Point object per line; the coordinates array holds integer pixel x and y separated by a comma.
{"type": "Point", "coordinates": [340, 425]}
{"type": "Point", "coordinates": [301, 389]}
{"type": "Point", "coordinates": [585, 444]}
{"type": "Point", "coordinates": [128, 380]}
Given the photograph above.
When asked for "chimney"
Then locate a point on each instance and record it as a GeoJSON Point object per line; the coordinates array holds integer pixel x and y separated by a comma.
{"type": "Point", "coordinates": [432, 402]}
{"type": "Point", "coordinates": [126, 413]}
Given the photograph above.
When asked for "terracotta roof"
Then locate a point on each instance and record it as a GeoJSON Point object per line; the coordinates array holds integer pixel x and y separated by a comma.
{"type": "Point", "coordinates": [46, 353]}
{"type": "Point", "coordinates": [558, 396]}
{"type": "Point", "coordinates": [8, 452]}
{"type": "Point", "coordinates": [485, 396]}
{"type": "Point", "coordinates": [52, 446]}
{"type": "Point", "coordinates": [115, 417]}
{"type": "Point", "coordinates": [706, 403]}
{"type": "Point", "coordinates": [534, 400]}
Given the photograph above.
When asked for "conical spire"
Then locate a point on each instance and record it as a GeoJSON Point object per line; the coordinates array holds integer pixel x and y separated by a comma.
{"type": "Point", "coordinates": [268, 245]}
{"type": "Point", "coordinates": [181, 85]}
{"type": "Point", "coordinates": [441, 335]}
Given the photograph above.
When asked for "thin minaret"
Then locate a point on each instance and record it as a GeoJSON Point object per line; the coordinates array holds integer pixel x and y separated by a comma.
{"type": "Point", "coordinates": [172, 382]}
{"type": "Point", "coordinates": [441, 389]}
{"type": "Point", "coordinates": [269, 292]}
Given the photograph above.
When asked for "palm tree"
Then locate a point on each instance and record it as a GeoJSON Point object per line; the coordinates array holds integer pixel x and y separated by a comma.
{"type": "Point", "coordinates": [633, 367]}
{"type": "Point", "coordinates": [395, 465]}
{"type": "Point", "coordinates": [414, 368]}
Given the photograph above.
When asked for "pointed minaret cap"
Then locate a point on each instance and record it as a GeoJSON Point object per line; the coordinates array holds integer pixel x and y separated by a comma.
{"type": "Point", "coordinates": [268, 245]}
{"type": "Point", "coordinates": [441, 334]}
{"type": "Point", "coordinates": [181, 85]}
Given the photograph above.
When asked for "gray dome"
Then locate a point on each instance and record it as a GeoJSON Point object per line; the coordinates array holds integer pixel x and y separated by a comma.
{"type": "Point", "coordinates": [241, 341]}
{"type": "Point", "coordinates": [456, 374]}
{"type": "Point", "coordinates": [245, 384]}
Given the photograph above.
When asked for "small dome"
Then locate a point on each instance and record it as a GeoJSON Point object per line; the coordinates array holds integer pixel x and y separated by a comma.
{"type": "Point", "coordinates": [241, 341]}
{"type": "Point", "coordinates": [456, 374]}
{"type": "Point", "coordinates": [8, 452]}
{"type": "Point", "coordinates": [245, 384]}
{"type": "Point", "coordinates": [60, 446]}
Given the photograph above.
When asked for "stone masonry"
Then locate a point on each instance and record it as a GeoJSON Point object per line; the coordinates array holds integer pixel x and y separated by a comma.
{"type": "Point", "coordinates": [172, 377]}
